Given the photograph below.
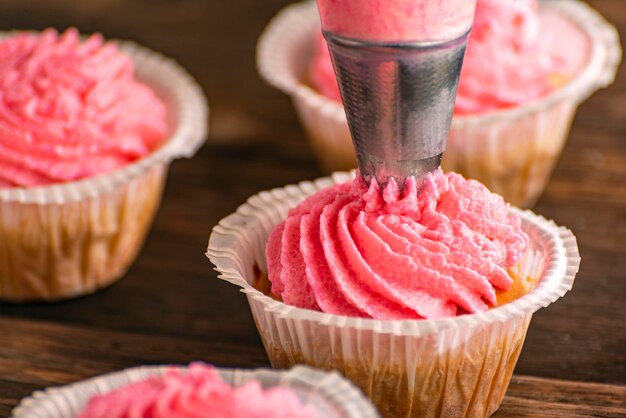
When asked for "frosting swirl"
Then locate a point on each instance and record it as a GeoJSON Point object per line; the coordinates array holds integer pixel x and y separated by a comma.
{"type": "Point", "coordinates": [196, 394]}
{"type": "Point", "coordinates": [516, 54]}
{"type": "Point", "coordinates": [71, 109]}
{"type": "Point", "coordinates": [360, 251]}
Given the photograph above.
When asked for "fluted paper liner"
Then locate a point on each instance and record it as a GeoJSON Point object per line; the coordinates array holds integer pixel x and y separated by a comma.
{"type": "Point", "coordinates": [331, 395]}
{"type": "Point", "coordinates": [512, 151]}
{"type": "Point", "coordinates": [73, 238]}
{"type": "Point", "coordinates": [447, 367]}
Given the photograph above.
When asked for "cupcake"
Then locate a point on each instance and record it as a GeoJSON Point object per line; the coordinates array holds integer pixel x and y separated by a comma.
{"type": "Point", "coordinates": [421, 297]}
{"type": "Point", "coordinates": [512, 116]}
{"type": "Point", "coordinates": [87, 131]}
{"type": "Point", "coordinates": [202, 391]}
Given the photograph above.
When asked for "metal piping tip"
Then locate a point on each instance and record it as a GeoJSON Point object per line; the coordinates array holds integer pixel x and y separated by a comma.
{"type": "Point", "coordinates": [399, 100]}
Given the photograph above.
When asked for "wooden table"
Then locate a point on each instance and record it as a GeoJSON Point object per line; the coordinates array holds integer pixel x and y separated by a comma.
{"type": "Point", "coordinates": [170, 308]}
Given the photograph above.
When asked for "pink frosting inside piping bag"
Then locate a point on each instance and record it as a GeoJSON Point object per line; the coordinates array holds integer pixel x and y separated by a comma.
{"type": "Point", "coordinates": [397, 20]}
{"type": "Point", "coordinates": [357, 250]}
{"type": "Point", "coordinates": [516, 53]}
{"type": "Point", "coordinates": [197, 394]}
{"type": "Point", "coordinates": [71, 109]}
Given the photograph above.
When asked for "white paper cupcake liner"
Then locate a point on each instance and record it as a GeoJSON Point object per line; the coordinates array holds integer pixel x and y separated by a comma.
{"type": "Point", "coordinates": [406, 366]}
{"type": "Point", "coordinates": [57, 251]}
{"type": "Point", "coordinates": [237, 244]}
{"type": "Point", "coordinates": [331, 395]}
{"type": "Point", "coordinates": [187, 120]}
{"type": "Point", "coordinates": [522, 143]}
{"type": "Point", "coordinates": [70, 239]}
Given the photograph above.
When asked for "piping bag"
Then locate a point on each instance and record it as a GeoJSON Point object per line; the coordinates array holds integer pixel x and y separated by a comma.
{"type": "Point", "coordinates": [398, 64]}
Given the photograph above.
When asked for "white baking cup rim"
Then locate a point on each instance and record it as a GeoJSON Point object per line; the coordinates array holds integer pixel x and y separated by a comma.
{"type": "Point", "coordinates": [334, 391]}
{"type": "Point", "coordinates": [562, 263]}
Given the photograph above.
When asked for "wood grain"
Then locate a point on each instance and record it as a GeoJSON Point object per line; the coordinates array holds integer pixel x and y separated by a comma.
{"type": "Point", "coordinates": [171, 308]}
{"type": "Point", "coordinates": [36, 354]}
{"type": "Point", "coordinates": [539, 397]}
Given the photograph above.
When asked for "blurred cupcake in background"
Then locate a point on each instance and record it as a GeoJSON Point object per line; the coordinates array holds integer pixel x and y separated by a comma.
{"type": "Point", "coordinates": [202, 391]}
{"type": "Point", "coordinates": [527, 67]}
{"type": "Point", "coordinates": [87, 131]}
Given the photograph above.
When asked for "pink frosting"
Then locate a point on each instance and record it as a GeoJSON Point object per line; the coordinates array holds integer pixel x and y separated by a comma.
{"type": "Point", "coordinates": [71, 109]}
{"type": "Point", "coordinates": [397, 20]}
{"type": "Point", "coordinates": [516, 53]}
{"type": "Point", "coordinates": [321, 71]}
{"type": "Point", "coordinates": [198, 393]}
{"type": "Point", "coordinates": [359, 251]}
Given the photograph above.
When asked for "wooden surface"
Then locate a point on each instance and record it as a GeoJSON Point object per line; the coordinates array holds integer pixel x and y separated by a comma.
{"type": "Point", "coordinates": [170, 308]}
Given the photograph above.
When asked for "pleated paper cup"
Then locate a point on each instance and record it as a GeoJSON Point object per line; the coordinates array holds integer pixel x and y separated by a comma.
{"type": "Point", "coordinates": [330, 394]}
{"type": "Point", "coordinates": [513, 151]}
{"type": "Point", "coordinates": [452, 367]}
{"type": "Point", "coordinates": [70, 239]}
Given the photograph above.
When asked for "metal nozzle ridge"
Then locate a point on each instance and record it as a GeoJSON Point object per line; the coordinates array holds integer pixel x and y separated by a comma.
{"type": "Point", "coordinates": [399, 100]}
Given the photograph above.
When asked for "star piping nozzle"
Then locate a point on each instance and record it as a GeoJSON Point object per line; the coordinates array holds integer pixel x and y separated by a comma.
{"type": "Point", "coordinates": [399, 99]}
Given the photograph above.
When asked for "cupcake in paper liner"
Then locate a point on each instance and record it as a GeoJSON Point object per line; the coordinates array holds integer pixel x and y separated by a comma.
{"type": "Point", "coordinates": [421, 297]}
{"type": "Point", "coordinates": [525, 73]}
{"type": "Point", "coordinates": [88, 129]}
{"type": "Point", "coordinates": [201, 390]}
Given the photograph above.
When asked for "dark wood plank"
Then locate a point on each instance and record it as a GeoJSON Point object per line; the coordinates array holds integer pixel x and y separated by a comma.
{"type": "Point", "coordinates": [38, 354]}
{"type": "Point", "coordinates": [538, 397]}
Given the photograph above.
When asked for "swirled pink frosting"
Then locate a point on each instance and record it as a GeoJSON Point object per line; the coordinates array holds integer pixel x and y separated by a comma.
{"type": "Point", "coordinates": [198, 393]}
{"type": "Point", "coordinates": [360, 251]}
{"type": "Point", "coordinates": [71, 109]}
{"type": "Point", "coordinates": [516, 53]}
